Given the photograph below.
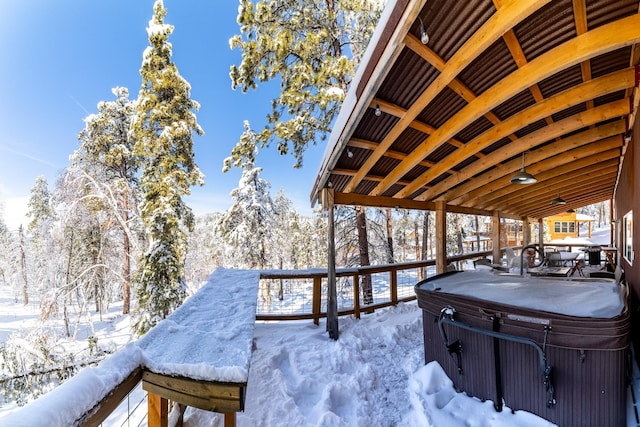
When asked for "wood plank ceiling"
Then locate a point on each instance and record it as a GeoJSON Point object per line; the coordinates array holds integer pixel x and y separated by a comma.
{"type": "Point", "coordinates": [449, 121]}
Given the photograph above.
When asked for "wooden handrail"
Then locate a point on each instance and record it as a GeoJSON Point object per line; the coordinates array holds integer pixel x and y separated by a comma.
{"type": "Point", "coordinates": [318, 274]}
{"type": "Point", "coordinates": [102, 410]}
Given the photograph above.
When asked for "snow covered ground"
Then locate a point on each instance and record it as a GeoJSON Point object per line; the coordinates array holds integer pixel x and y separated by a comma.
{"type": "Point", "coordinates": [373, 375]}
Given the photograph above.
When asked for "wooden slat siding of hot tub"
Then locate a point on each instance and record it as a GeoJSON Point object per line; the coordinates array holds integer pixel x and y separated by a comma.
{"type": "Point", "coordinates": [478, 377]}
{"type": "Point", "coordinates": [207, 395]}
{"type": "Point", "coordinates": [590, 386]}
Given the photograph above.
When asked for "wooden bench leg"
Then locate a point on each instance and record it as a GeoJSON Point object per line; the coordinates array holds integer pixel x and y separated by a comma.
{"type": "Point", "coordinates": [158, 411]}
{"type": "Point", "coordinates": [230, 419]}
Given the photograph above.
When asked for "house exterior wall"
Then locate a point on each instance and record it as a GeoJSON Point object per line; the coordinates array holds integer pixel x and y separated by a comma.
{"type": "Point", "coordinates": [568, 226]}
{"type": "Point", "coordinates": [627, 199]}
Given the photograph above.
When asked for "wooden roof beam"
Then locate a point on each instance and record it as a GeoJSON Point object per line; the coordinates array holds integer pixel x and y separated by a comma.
{"type": "Point", "coordinates": [397, 111]}
{"type": "Point", "coordinates": [509, 192]}
{"type": "Point", "coordinates": [353, 199]}
{"type": "Point", "coordinates": [519, 57]}
{"type": "Point", "coordinates": [603, 39]}
{"type": "Point", "coordinates": [595, 195]}
{"type": "Point", "coordinates": [527, 142]}
{"type": "Point", "coordinates": [575, 183]}
{"type": "Point", "coordinates": [578, 146]}
{"type": "Point", "coordinates": [467, 191]}
{"type": "Point", "coordinates": [544, 206]}
{"type": "Point", "coordinates": [533, 195]}
{"type": "Point", "coordinates": [503, 20]}
{"type": "Point", "coordinates": [551, 168]}
{"type": "Point", "coordinates": [580, 19]}
{"type": "Point", "coordinates": [370, 145]}
{"type": "Point", "coordinates": [351, 172]}
{"type": "Point", "coordinates": [570, 124]}
{"type": "Point", "coordinates": [413, 43]}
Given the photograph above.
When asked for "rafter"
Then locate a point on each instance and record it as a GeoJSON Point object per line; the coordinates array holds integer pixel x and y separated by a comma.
{"type": "Point", "coordinates": [466, 191]}
{"type": "Point", "coordinates": [456, 85]}
{"type": "Point", "coordinates": [607, 84]}
{"type": "Point", "coordinates": [503, 20]}
{"type": "Point", "coordinates": [572, 180]}
{"type": "Point", "coordinates": [596, 42]}
{"type": "Point", "coordinates": [535, 209]}
{"type": "Point", "coordinates": [559, 174]}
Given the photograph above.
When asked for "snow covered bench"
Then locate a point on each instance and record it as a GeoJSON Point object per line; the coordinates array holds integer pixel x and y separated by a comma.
{"type": "Point", "coordinates": [199, 356]}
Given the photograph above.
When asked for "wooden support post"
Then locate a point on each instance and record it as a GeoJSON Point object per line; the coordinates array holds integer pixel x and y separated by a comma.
{"type": "Point", "coordinates": [316, 299]}
{"type": "Point", "coordinates": [541, 234]}
{"type": "Point", "coordinates": [612, 229]}
{"type": "Point", "coordinates": [158, 411]}
{"type": "Point", "coordinates": [495, 238]}
{"type": "Point", "coordinates": [230, 419]}
{"type": "Point", "coordinates": [441, 237]}
{"type": "Point", "coordinates": [332, 297]}
{"type": "Point", "coordinates": [526, 230]}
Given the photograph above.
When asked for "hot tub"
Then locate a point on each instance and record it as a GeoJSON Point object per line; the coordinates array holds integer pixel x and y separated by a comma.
{"type": "Point", "coordinates": [555, 348]}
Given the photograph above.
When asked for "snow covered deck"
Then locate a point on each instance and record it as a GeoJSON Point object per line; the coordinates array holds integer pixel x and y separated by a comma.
{"type": "Point", "coordinates": [199, 356]}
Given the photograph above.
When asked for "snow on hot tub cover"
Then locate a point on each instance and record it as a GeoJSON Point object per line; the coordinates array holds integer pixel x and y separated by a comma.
{"type": "Point", "coordinates": [597, 299]}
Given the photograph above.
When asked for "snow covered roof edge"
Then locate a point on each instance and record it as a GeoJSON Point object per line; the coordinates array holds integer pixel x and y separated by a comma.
{"type": "Point", "coordinates": [352, 106]}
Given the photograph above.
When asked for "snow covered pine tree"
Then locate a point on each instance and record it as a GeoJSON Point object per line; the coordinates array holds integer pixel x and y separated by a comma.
{"type": "Point", "coordinates": [163, 128]}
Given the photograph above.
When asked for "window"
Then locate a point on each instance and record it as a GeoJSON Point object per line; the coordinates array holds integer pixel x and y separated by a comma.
{"type": "Point", "coordinates": [627, 237]}
{"type": "Point", "coordinates": [564, 227]}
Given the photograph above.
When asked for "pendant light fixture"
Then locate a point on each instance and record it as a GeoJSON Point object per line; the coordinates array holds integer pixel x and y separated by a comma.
{"type": "Point", "coordinates": [424, 37]}
{"type": "Point", "coordinates": [523, 177]}
{"type": "Point", "coordinates": [558, 200]}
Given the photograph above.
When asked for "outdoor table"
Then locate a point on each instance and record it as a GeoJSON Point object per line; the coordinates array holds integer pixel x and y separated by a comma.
{"type": "Point", "coordinates": [560, 259]}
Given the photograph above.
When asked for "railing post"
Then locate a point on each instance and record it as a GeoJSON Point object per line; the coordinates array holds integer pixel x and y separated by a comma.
{"type": "Point", "coordinates": [158, 411]}
{"type": "Point", "coordinates": [441, 237]}
{"type": "Point", "coordinates": [393, 286]}
{"type": "Point", "coordinates": [356, 296]}
{"type": "Point", "coordinates": [316, 299]}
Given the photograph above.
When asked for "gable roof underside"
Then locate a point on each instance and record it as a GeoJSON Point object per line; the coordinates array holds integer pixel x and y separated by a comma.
{"type": "Point", "coordinates": [449, 121]}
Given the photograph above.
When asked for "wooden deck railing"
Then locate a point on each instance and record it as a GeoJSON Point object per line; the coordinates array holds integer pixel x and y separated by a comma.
{"type": "Point", "coordinates": [389, 293]}
{"type": "Point", "coordinates": [298, 282]}
{"type": "Point", "coordinates": [351, 281]}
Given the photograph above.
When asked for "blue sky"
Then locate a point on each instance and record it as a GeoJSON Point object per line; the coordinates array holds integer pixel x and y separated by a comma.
{"type": "Point", "coordinates": [58, 59]}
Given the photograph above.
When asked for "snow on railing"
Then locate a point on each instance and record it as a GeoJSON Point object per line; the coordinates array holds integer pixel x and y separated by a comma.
{"type": "Point", "coordinates": [96, 394]}
{"type": "Point", "coordinates": [301, 294]}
